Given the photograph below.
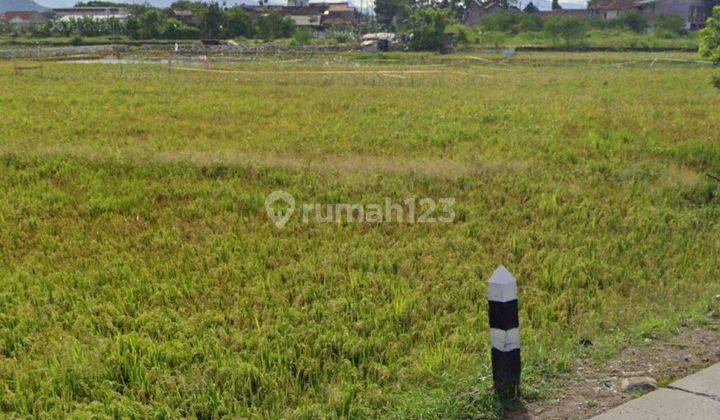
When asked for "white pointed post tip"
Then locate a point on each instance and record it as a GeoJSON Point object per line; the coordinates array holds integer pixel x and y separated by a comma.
{"type": "Point", "coordinates": [502, 286]}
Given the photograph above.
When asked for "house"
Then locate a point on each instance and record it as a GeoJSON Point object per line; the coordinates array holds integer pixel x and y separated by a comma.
{"type": "Point", "coordinates": [184, 16]}
{"type": "Point", "coordinates": [611, 9]}
{"type": "Point", "coordinates": [340, 16]}
{"type": "Point", "coordinates": [314, 14]}
{"type": "Point", "coordinates": [691, 12]}
{"type": "Point", "coordinates": [95, 13]}
{"type": "Point", "coordinates": [307, 21]}
{"type": "Point", "coordinates": [22, 18]}
{"type": "Point", "coordinates": [476, 9]}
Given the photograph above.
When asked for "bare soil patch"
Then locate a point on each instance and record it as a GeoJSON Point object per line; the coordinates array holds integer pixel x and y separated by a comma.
{"type": "Point", "coordinates": [595, 388]}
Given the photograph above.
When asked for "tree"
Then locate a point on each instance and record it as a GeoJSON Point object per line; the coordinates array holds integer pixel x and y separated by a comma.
{"type": "Point", "coordinates": [147, 25]}
{"type": "Point", "coordinates": [428, 29]}
{"type": "Point", "coordinates": [174, 29]}
{"type": "Point", "coordinates": [531, 8]}
{"type": "Point", "coordinates": [710, 37]}
{"type": "Point", "coordinates": [212, 20]}
{"type": "Point", "coordinates": [388, 12]}
{"type": "Point", "coordinates": [457, 7]}
{"type": "Point", "coordinates": [708, 6]}
{"type": "Point", "coordinates": [556, 5]}
{"type": "Point", "coordinates": [238, 22]}
{"type": "Point", "coordinates": [273, 26]}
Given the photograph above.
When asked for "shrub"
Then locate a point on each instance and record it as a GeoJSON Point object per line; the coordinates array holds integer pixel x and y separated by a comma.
{"type": "Point", "coordinates": [389, 12]}
{"type": "Point", "coordinates": [572, 30]}
{"type": "Point", "coordinates": [530, 22]}
{"type": "Point", "coordinates": [463, 34]}
{"type": "Point", "coordinates": [343, 37]}
{"type": "Point", "coordinates": [174, 29]}
{"type": "Point", "coordinates": [632, 21]}
{"type": "Point", "coordinates": [669, 25]}
{"type": "Point", "coordinates": [710, 37]}
{"type": "Point", "coordinates": [501, 21]}
{"type": "Point", "coordinates": [273, 26]}
{"type": "Point", "coordinates": [238, 22]}
{"type": "Point", "coordinates": [596, 22]}
{"type": "Point", "coordinates": [302, 36]}
{"type": "Point", "coordinates": [428, 29]}
{"type": "Point", "coordinates": [76, 40]}
{"type": "Point", "coordinates": [492, 39]}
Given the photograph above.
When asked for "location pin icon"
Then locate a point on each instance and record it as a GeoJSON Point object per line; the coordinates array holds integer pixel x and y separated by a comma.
{"type": "Point", "coordinates": [281, 215]}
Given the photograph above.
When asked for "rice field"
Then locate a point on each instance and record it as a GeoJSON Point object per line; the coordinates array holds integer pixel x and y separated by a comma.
{"type": "Point", "coordinates": [141, 276]}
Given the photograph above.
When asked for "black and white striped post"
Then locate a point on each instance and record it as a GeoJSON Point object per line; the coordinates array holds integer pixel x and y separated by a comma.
{"type": "Point", "coordinates": [504, 333]}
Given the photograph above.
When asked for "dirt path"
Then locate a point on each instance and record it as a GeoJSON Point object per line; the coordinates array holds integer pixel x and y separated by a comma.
{"type": "Point", "coordinates": [595, 387]}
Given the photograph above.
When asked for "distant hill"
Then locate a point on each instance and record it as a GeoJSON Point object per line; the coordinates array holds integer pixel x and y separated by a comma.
{"type": "Point", "coordinates": [20, 6]}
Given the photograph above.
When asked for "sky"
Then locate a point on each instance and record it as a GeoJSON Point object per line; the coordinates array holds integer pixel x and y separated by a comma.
{"type": "Point", "coordinates": [573, 4]}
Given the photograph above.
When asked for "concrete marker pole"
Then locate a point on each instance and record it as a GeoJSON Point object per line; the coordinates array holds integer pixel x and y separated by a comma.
{"type": "Point", "coordinates": [504, 333]}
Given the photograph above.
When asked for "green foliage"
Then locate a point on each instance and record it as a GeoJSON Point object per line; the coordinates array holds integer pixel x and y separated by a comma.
{"type": "Point", "coordinates": [530, 22]}
{"type": "Point", "coordinates": [669, 25]}
{"type": "Point", "coordinates": [238, 22]}
{"type": "Point", "coordinates": [151, 23]}
{"type": "Point", "coordinates": [608, 38]}
{"type": "Point", "coordinates": [174, 29]}
{"type": "Point", "coordinates": [463, 34]}
{"type": "Point", "coordinates": [212, 20]}
{"type": "Point", "coordinates": [273, 26]}
{"type": "Point", "coordinates": [147, 25]}
{"type": "Point", "coordinates": [511, 22]}
{"type": "Point", "coordinates": [635, 22]}
{"type": "Point", "coordinates": [596, 22]}
{"type": "Point", "coordinates": [572, 30]}
{"type": "Point", "coordinates": [428, 29]}
{"type": "Point", "coordinates": [502, 21]}
{"type": "Point", "coordinates": [710, 37]}
{"type": "Point", "coordinates": [492, 39]}
{"type": "Point", "coordinates": [302, 36]}
{"type": "Point", "coordinates": [390, 13]}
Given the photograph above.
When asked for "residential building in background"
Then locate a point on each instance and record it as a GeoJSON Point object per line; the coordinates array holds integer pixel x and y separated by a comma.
{"type": "Point", "coordinates": [22, 18]}
{"type": "Point", "coordinates": [691, 12]}
{"type": "Point", "coordinates": [97, 13]}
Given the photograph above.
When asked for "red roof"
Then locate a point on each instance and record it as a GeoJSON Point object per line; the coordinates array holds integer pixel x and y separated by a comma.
{"type": "Point", "coordinates": [22, 15]}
